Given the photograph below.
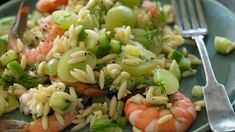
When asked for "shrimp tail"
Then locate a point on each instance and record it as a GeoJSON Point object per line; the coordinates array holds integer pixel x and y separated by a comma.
{"type": "Point", "coordinates": [19, 27]}
{"type": "Point", "coordinates": [13, 125]}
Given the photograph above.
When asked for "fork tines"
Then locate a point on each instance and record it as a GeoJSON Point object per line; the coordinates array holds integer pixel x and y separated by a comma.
{"type": "Point", "coordinates": [190, 18]}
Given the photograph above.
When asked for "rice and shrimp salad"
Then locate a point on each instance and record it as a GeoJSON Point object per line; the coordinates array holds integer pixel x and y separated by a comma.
{"type": "Point", "coordinates": [85, 60]}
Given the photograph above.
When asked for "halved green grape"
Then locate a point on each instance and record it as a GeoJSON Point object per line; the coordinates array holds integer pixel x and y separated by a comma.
{"type": "Point", "coordinates": [64, 18]}
{"type": "Point", "coordinates": [139, 70]}
{"type": "Point", "coordinates": [58, 101]}
{"type": "Point", "coordinates": [51, 67]}
{"type": "Point", "coordinates": [169, 81]}
{"type": "Point", "coordinates": [130, 3]}
{"type": "Point", "coordinates": [64, 69]}
{"type": "Point", "coordinates": [119, 16]}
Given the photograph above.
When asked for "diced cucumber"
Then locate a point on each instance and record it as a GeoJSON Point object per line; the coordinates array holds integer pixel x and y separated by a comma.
{"type": "Point", "coordinates": [174, 69]}
{"type": "Point", "coordinates": [104, 39]}
{"type": "Point", "coordinates": [9, 56]}
{"type": "Point", "coordinates": [185, 63]}
{"type": "Point", "coordinates": [64, 69]}
{"type": "Point", "coordinates": [82, 35]}
{"type": "Point", "coordinates": [116, 46]}
{"type": "Point", "coordinates": [197, 91]}
{"type": "Point", "coordinates": [3, 46]}
{"type": "Point", "coordinates": [223, 45]}
{"type": "Point", "coordinates": [122, 122]}
{"type": "Point", "coordinates": [104, 125]}
{"type": "Point", "coordinates": [175, 55]}
{"type": "Point", "coordinates": [16, 70]}
{"type": "Point", "coordinates": [2, 105]}
{"type": "Point", "coordinates": [12, 103]}
{"type": "Point", "coordinates": [169, 81]}
{"type": "Point", "coordinates": [102, 50]}
{"type": "Point", "coordinates": [139, 70]}
{"type": "Point", "coordinates": [91, 45]}
{"type": "Point", "coordinates": [51, 67]}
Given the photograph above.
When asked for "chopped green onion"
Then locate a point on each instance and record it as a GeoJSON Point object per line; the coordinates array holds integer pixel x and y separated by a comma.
{"type": "Point", "coordinates": [104, 39]}
{"type": "Point", "coordinates": [9, 56]}
{"type": "Point", "coordinates": [223, 45]}
{"type": "Point", "coordinates": [12, 103]}
{"type": "Point", "coordinates": [197, 91]}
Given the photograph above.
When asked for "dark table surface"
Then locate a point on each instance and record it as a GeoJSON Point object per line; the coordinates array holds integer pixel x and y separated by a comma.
{"type": "Point", "coordinates": [228, 3]}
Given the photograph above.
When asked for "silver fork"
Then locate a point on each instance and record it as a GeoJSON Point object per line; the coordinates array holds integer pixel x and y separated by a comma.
{"type": "Point", "coordinates": [190, 18]}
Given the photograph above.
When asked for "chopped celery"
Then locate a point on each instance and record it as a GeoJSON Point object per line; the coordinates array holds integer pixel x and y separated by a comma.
{"type": "Point", "coordinates": [2, 105]}
{"type": "Point", "coordinates": [64, 18]}
{"type": "Point", "coordinates": [116, 46]}
{"type": "Point", "coordinates": [63, 68]}
{"type": "Point", "coordinates": [122, 122]}
{"type": "Point", "coordinates": [3, 46]}
{"type": "Point", "coordinates": [51, 67]}
{"type": "Point", "coordinates": [169, 81]}
{"type": "Point", "coordinates": [82, 35]}
{"type": "Point", "coordinates": [58, 102]}
{"type": "Point", "coordinates": [16, 69]}
{"type": "Point", "coordinates": [91, 45]}
{"type": "Point", "coordinates": [9, 56]}
{"type": "Point", "coordinates": [223, 45]}
{"type": "Point", "coordinates": [13, 103]}
{"type": "Point", "coordinates": [185, 63]}
{"type": "Point", "coordinates": [175, 55]}
{"type": "Point", "coordinates": [197, 91]}
{"type": "Point", "coordinates": [174, 69]}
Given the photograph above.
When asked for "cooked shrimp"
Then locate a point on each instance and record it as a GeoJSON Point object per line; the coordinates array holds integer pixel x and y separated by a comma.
{"type": "Point", "coordinates": [90, 90]}
{"type": "Point", "coordinates": [149, 118]}
{"type": "Point", "coordinates": [151, 6]}
{"type": "Point", "coordinates": [50, 5]}
{"type": "Point", "coordinates": [36, 54]}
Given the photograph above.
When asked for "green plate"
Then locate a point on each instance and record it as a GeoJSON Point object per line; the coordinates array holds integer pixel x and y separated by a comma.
{"type": "Point", "coordinates": [220, 22]}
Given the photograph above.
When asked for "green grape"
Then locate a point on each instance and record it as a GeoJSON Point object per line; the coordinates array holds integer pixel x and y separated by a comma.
{"type": "Point", "coordinates": [58, 102]}
{"type": "Point", "coordinates": [119, 16]}
{"type": "Point", "coordinates": [64, 69]}
{"type": "Point", "coordinates": [63, 18]}
{"type": "Point", "coordinates": [51, 67]}
{"type": "Point", "coordinates": [169, 81]}
{"type": "Point", "coordinates": [130, 3]}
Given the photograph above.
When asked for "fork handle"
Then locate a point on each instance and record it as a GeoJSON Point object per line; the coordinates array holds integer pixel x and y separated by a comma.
{"type": "Point", "coordinates": [210, 77]}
